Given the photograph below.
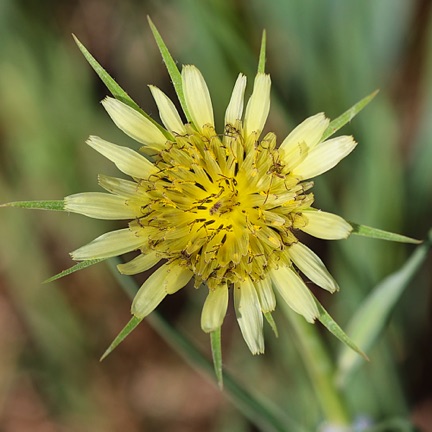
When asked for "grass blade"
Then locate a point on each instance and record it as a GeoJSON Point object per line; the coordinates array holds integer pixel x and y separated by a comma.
{"type": "Point", "coordinates": [372, 316]}
{"type": "Point", "coordinates": [318, 366]}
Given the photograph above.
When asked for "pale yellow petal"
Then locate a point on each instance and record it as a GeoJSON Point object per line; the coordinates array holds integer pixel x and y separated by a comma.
{"type": "Point", "coordinates": [118, 186]}
{"type": "Point", "coordinates": [258, 105]}
{"type": "Point", "coordinates": [165, 280]}
{"type": "Point", "coordinates": [234, 110]}
{"type": "Point", "coordinates": [197, 97]}
{"type": "Point", "coordinates": [100, 205]}
{"type": "Point", "coordinates": [312, 266]}
{"type": "Point", "coordinates": [266, 295]}
{"type": "Point", "coordinates": [151, 293]}
{"type": "Point", "coordinates": [134, 124]}
{"type": "Point", "coordinates": [295, 156]}
{"type": "Point", "coordinates": [297, 145]}
{"type": "Point", "coordinates": [249, 315]}
{"type": "Point", "coordinates": [309, 131]}
{"type": "Point", "coordinates": [327, 226]}
{"type": "Point", "coordinates": [214, 309]}
{"type": "Point", "coordinates": [295, 293]}
{"type": "Point", "coordinates": [168, 112]}
{"type": "Point", "coordinates": [141, 263]}
{"type": "Point", "coordinates": [110, 244]}
{"type": "Point", "coordinates": [127, 160]}
{"type": "Point", "coordinates": [324, 157]}
{"type": "Point", "coordinates": [177, 277]}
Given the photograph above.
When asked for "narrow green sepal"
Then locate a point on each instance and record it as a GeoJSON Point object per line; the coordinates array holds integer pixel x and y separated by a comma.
{"type": "Point", "coordinates": [331, 325]}
{"type": "Point", "coordinates": [268, 316]}
{"type": "Point", "coordinates": [373, 314]}
{"type": "Point", "coordinates": [172, 68]}
{"type": "Point", "coordinates": [262, 56]}
{"type": "Point", "coordinates": [80, 266]}
{"type": "Point", "coordinates": [216, 348]}
{"type": "Point", "coordinates": [127, 329]}
{"type": "Point", "coordinates": [112, 85]}
{"type": "Point", "coordinates": [39, 205]}
{"type": "Point", "coordinates": [366, 231]}
{"type": "Point", "coordinates": [347, 116]}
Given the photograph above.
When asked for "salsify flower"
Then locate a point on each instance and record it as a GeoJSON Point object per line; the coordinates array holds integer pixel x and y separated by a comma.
{"type": "Point", "coordinates": [221, 208]}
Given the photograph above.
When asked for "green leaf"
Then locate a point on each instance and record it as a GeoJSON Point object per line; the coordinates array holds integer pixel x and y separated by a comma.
{"type": "Point", "coordinates": [363, 230]}
{"type": "Point", "coordinates": [317, 363]}
{"type": "Point", "coordinates": [268, 316]}
{"type": "Point", "coordinates": [262, 56]}
{"type": "Point", "coordinates": [128, 328]}
{"type": "Point", "coordinates": [347, 116]}
{"type": "Point", "coordinates": [372, 316]}
{"type": "Point", "coordinates": [216, 348]}
{"type": "Point", "coordinates": [39, 205]}
{"type": "Point", "coordinates": [172, 68]}
{"type": "Point", "coordinates": [112, 85]}
{"type": "Point", "coordinates": [80, 266]}
{"type": "Point", "coordinates": [331, 325]}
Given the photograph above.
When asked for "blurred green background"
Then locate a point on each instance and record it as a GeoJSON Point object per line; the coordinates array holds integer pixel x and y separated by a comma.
{"type": "Point", "coordinates": [323, 55]}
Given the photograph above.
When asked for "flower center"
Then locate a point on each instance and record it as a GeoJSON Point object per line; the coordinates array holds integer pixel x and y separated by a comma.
{"type": "Point", "coordinates": [226, 202]}
{"type": "Point", "coordinates": [225, 207]}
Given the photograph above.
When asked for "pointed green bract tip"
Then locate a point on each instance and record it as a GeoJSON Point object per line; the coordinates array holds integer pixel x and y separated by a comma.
{"type": "Point", "coordinates": [331, 325]}
{"type": "Point", "coordinates": [128, 328]}
{"type": "Point", "coordinates": [366, 231]}
{"type": "Point", "coordinates": [268, 316]}
{"type": "Point", "coordinates": [80, 266]}
{"type": "Point", "coordinates": [216, 348]}
{"type": "Point", "coordinates": [262, 56]}
{"type": "Point", "coordinates": [172, 68]}
{"type": "Point", "coordinates": [37, 205]}
{"type": "Point", "coordinates": [77, 41]}
{"type": "Point", "coordinates": [151, 24]}
{"type": "Point", "coordinates": [347, 116]}
{"type": "Point", "coordinates": [113, 86]}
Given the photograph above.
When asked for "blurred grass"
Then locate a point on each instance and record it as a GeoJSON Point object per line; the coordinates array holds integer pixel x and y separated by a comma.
{"type": "Point", "coordinates": [322, 55]}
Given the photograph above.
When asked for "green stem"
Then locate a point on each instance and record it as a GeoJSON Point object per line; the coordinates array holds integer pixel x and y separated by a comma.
{"type": "Point", "coordinates": [319, 368]}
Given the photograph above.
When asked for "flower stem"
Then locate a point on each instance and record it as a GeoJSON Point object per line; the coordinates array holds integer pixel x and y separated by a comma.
{"type": "Point", "coordinates": [319, 368]}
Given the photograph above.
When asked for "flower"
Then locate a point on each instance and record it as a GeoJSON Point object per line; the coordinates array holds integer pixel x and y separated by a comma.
{"type": "Point", "coordinates": [223, 209]}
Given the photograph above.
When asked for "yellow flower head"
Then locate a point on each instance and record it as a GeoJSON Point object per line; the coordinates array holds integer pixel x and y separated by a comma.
{"type": "Point", "coordinates": [223, 208]}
